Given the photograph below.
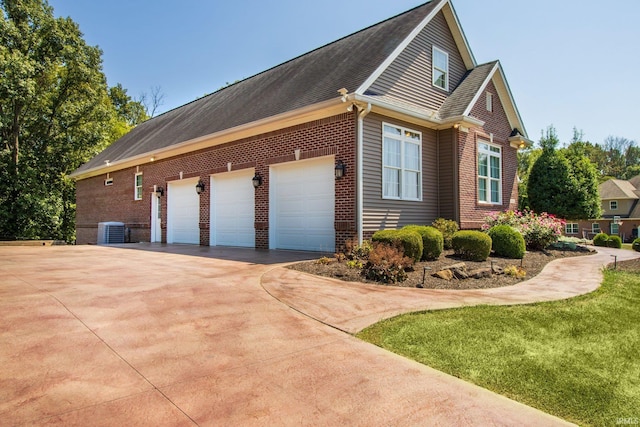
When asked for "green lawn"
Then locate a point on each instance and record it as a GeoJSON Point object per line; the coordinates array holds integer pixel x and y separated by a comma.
{"type": "Point", "coordinates": [577, 359]}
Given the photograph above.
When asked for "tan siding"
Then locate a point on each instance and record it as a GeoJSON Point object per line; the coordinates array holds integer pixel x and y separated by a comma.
{"type": "Point", "coordinates": [447, 179]}
{"type": "Point", "coordinates": [380, 213]}
{"type": "Point", "coordinates": [624, 207]}
{"type": "Point", "coordinates": [409, 76]}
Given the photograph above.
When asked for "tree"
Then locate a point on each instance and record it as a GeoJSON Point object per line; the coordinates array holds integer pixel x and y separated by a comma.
{"type": "Point", "coordinates": [152, 101]}
{"type": "Point", "coordinates": [130, 111]}
{"type": "Point", "coordinates": [566, 186]}
{"type": "Point", "coordinates": [55, 114]}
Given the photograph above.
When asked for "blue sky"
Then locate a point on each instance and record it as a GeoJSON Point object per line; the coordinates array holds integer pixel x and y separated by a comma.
{"type": "Point", "coordinates": [569, 63]}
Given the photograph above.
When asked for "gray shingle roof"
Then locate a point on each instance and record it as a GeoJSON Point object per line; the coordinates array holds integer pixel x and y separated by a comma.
{"type": "Point", "coordinates": [305, 80]}
{"type": "Point", "coordinates": [459, 100]}
{"type": "Point", "coordinates": [617, 189]}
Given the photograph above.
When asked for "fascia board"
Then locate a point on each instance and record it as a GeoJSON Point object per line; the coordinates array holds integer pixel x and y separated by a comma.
{"type": "Point", "coordinates": [480, 91]}
{"type": "Point", "coordinates": [459, 36]}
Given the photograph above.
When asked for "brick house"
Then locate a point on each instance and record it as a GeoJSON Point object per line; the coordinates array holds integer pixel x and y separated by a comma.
{"type": "Point", "coordinates": [620, 212]}
{"type": "Point", "coordinates": [395, 124]}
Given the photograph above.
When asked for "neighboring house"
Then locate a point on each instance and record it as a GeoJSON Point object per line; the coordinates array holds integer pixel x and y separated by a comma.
{"type": "Point", "coordinates": [393, 125]}
{"type": "Point", "coordinates": [620, 211]}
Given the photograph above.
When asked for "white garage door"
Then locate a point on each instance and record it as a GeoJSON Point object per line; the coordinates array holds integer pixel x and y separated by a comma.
{"type": "Point", "coordinates": [183, 212]}
{"type": "Point", "coordinates": [302, 199]}
{"type": "Point", "coordinates": [232, 209]}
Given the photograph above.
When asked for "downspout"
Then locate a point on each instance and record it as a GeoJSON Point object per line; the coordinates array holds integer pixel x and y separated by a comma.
{"type": "Point", "coordinates": [362, 113]}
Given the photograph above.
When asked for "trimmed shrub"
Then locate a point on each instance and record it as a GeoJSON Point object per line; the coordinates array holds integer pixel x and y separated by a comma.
{"type": "Point", "coordinates": [600, 239]}
{"type": "Point", "coordinates": [614, 242]}
{"type": "Point", "coordinates": [507, 242]}
{"type": "Point", "coordinates": [448, 228]}
{"type": "Point", "coordinates": [432, 241]}
{"type": "Point", "coordinates": [410, 241]}
{"type": "Point", "coordinates": [636, 245]}
{"type": "Point", "coordinates": [386, 264]}
{"type": "Point", "coordinates": [472, 245]}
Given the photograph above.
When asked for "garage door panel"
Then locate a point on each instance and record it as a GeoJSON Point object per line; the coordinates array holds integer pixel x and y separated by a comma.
{"type": "Point", "coordinates": [233, 209]}
{"type": "Point", "coordinates": [183, 213]}
{"type": "Point", "coordinates": [303, 199]}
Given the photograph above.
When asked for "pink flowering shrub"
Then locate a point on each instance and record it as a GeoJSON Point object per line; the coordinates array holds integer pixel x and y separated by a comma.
{"type": "Point", "coordinates": [539, 231]}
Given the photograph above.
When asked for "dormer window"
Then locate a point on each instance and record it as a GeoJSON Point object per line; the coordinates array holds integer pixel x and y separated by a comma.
{"type": "Point", "coordinates": [613, 205]}
{"type": "Point", "coordinates": [440, 69]}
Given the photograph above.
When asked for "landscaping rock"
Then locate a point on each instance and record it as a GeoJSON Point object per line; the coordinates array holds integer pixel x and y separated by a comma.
{"type": "Point", "coordinates": [460, 273]}
{"type": "Point", "coordinates": [457, 266]}
{"type": "Point", "coordinates": [444, 274]}
{"type": "Point", "coordinates": [496, 269]}
{"type": "Point", "coordinates": [480, 273]}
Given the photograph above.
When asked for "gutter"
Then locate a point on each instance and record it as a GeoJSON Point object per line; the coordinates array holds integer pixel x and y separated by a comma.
{"type": "Point", "coordinates": [362, 113]}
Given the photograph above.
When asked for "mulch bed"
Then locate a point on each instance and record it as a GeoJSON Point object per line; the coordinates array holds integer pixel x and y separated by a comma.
{"type": "Point", "coordinates": [532, 263]}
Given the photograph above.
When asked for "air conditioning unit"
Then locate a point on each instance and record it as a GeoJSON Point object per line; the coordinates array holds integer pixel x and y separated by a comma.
{"type": "Point", "coordinates": [110, 233]}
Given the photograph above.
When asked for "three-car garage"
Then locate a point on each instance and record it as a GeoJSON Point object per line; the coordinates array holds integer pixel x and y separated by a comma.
{"type": "Point", "coordinates": [301, 198]}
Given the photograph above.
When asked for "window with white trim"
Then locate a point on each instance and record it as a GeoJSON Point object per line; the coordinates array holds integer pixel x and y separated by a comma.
{"type": "Point", "coordinates": [615, 228]}
{"type": "Point", "coordinates": [137, 195]}
{"type": "Point", "coordinates": [613, 205]}
{"type": "Point", "coordinates": [571, 228]}
{"type": "Point", "coordinates": [401, 163]}
{"type": "Point", "coordinates": [595, 227]}
{"type": "Point", "coordinates": [489, 173]}
{"type": "Point", "coordinates": [440, 68]}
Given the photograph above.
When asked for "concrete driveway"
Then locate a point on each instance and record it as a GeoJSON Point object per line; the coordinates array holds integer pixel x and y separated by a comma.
{"type": "Point", "coordinates": [179, 335]}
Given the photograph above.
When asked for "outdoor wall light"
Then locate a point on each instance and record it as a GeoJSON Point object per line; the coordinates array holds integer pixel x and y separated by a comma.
{"type": "Point", "coordinates": [160, 190]}
{"type": "Point", "coordinates": [200, 187]}
{"type": "Point", "coordinates": [256, 180]}
{"type": "Point", "coordinates": [341, 169]}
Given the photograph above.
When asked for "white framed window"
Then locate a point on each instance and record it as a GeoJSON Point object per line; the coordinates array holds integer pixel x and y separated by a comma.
{"type": "Point", "coordinates": [489, 173]}
{"type": "Point", "coordinates": [571, 228]}
{"type": "Point", "coordinates": [440, 68]}
{"type": "Point", "coordinates": [615, 228]}
{"type": "Point", "coordinates": [401, 163]}
{"type": "Point", "coordinates": [489, 102]}
{"type": "Point", "coordinates": [595, 227]}
{"type": "Point", "coordinates": [613, 205]}
{"type": "Point", "coordinates": [137, 195]}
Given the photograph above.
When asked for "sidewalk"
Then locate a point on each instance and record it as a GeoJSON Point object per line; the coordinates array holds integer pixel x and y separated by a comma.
{"type": "Point", "coordinates": [352, 307]}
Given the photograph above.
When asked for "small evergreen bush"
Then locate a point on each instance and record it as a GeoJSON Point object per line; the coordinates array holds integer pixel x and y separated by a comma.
{"type": "Point", "coordinates": [507, 242]}
{"type": "Point", "coordinates": [410, 241]}
{"type": "Point", "coordinates": [432, 241]}
{"type": "Point", "coordinates": [472, 245]}
{"type": "Point", "coordinates": [636, 245]}
{"type": "Point", "coordinates": [448, 228]}
{"type": "Point", "coordinates": [386, 264]}
{"type": "Point", "coordinates": [614, 242]}
{"type": "Point", "coordinates": [600, 239]}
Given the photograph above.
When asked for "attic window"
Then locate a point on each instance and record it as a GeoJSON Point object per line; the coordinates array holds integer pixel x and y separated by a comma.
{"type": "Point", "coordinates": [613, 205]}
{"type": "Point", "coordinates": [489, 102]}
{"type": "Point", "coordinates": [440, 71]}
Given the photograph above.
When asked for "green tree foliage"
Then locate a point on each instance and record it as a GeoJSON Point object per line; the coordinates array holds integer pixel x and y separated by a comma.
{"type": "Point", "coordinates": [563, 184]}
{"type": "Point", "coordinates": [55, 114]}
{"type": "Point", "coordinates": [616, 157]}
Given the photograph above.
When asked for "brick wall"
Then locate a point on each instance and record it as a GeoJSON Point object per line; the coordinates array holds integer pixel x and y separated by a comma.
{"type": "Point", "coordinates": [332, 136]}
{"type": "Point", "coordinates": [472, 213]}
